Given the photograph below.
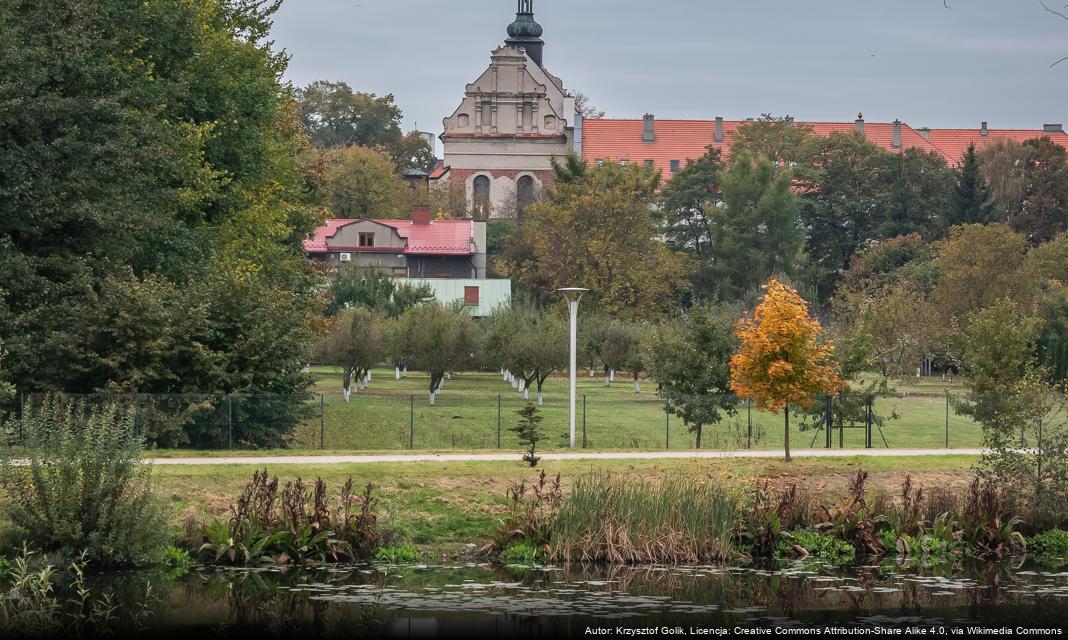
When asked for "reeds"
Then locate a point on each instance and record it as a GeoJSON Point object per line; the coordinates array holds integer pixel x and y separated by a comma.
{"type": "Point", "coordinates": [682, 520]}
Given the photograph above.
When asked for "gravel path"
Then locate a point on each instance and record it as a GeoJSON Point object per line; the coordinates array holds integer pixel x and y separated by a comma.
{"type": "Point", "coordinates": [497, 457]}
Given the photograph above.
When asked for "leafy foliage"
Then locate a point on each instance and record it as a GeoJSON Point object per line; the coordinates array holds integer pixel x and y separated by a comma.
{"type": "Point", "coordinates": [780, 359]}
{"type": "Point", "coordinates": [85, 490]}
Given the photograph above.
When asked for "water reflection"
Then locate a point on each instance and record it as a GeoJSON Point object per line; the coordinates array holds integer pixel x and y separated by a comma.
{"type": "Point", "coordinates": [418, 600]}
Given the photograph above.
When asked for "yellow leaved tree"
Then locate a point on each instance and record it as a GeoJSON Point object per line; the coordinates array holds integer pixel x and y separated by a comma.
{"type": "Point", "coordinates": [781, 358]}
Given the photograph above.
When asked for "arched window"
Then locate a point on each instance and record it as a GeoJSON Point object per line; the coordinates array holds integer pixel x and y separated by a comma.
{"type": "Point", "coordinates": [481, 197]}
{"type": "Point", "coordinates": [525, 194]}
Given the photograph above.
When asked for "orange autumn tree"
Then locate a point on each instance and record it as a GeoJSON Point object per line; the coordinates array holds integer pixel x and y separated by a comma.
{"type": "Point", "coordinates": [781, 359]}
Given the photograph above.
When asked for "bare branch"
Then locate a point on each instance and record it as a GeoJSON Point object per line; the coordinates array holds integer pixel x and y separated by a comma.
{"type": "Point", "coordinates": [1058, 62]}
{"type": "Point", "coordinates": [1056, 13]}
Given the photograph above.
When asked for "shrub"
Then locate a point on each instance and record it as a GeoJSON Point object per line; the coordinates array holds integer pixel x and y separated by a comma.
{"type": "Point", "coordinates": [1050, 548]}
{"type": "Point", "coordinates": [823, 547]}
{"type": "Point", "coordinates": [399, 554]}
{"type": "Point", "coordinates": [521, 553]}
{"type": "Point", "coordinates": [528, 432]}
{"type": "Point", "coordinates": [530, 515]}
{"type": "Point", "coordinates": [85, 489]}
{"type": "Point", "coordinates": [624, 521]}
{"type": "Point", "coordinates": [290, 524]}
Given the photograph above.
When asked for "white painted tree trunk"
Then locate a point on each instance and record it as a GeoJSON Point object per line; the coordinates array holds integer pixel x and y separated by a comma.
{"type": "Point", "coordinates": [541, 400]}
{"type": "Point", "coordinates": [515, 382]}
{"type": "Point", "coordinates": [607, 379]}
{"type": "Point", "coordinates": [591, 372]}
{"type": "Point", "coordinates": [526, 393]}
{"type": "Point", "coordinates": [368, 375]}
{"type": "Point", "coordinates": [396, 372]}
{"type": "Point", "coordinates": [432, 397]}
{"type": "Point", "coordinates": [637, 386]}
{"type": "Point", "coordinates": [448, 375]}
{"type": "Point", "coordinates": [404, 371]}
{"type": "Point", "coordinates": [367, 380]}
{"type": "Point", "coordinates": [347, 393]}
{"type": "Point", "coordinates": [612, 375]}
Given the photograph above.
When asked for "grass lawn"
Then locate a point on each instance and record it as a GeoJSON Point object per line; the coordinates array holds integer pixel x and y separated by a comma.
{"type": "Point", "coordinates": [451, 503]}
{"type": "Point", "coordinates": [475, 411]}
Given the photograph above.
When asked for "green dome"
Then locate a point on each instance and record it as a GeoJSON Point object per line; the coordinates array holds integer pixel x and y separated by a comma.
{"type": "Point", "coordinates": [524, 27]}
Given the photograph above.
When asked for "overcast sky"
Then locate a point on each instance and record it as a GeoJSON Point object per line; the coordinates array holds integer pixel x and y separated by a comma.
{"type": "Point", "coordinates": [812, 59]}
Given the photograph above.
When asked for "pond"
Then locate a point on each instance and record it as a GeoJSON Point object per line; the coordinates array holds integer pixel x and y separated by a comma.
{"type": "Point", "coordinates": [471, 599]}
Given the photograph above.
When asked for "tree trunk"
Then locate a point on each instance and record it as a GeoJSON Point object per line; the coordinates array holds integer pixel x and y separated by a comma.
{"type": "Point", "coordinates": [637, 384]}
{"type": "Point", "coordinates": [432, 396]}
{"type": "Point", "coordinates": [526, 392]}
{"type": "Point", "coordinates": [396, 372]}
{"type": "Point", "coordinates": [404, 371]}
{"type": "Point", "coordinates": [541, 400]}
{"type": "Point", "coordinates": [786, 435]}
{"type": "Point", "coordinates": [697, 431]}
{"type": "Point", "coordinates": [607, 376]}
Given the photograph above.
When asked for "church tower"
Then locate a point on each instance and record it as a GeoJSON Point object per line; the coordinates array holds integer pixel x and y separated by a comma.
{"type": "Point", "coordinates": [513, 119]}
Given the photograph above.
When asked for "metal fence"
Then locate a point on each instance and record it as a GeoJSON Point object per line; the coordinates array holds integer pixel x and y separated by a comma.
{"type": "Point", "coordinates": [392, 421]}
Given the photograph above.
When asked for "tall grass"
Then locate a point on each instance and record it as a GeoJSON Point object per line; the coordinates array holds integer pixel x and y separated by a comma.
{"type": "Point", "coordinates": [682, 520]}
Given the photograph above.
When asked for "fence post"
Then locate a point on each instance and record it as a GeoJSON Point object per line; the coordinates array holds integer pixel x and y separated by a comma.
{"type": "Point", "coordinates": [830, 419]}
{"type": "Point", "coordinates": [498, 421]}
{"type": "Point", "coordinates": [867, 430]}
{"type": "Point", "coordinates": [947, 418]}
{"type": "Point", "coordinates": [322, 422]}
{"type": "Point", "coordinates": [749, 421]}
{"type": "Point", "coordinates": [584, 442]}
{"type": "Point", "coordinates": [411, 422]}
{"type": "Point", "coordinates": [229, 422]}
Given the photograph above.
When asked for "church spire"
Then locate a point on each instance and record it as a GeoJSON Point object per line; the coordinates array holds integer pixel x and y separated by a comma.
{"type": "Point", "coordinates": [525, 33]}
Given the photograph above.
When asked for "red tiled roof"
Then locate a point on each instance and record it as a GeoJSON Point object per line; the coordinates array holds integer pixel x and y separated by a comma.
{"type": "Point", "coordinates": [438, 237]}
{"type": "Point", "coordinates": [615, 140]}
{"type": "Point", "coordinates": [954, 142]}
{"type": "Point", "coordinates": [439, 170]}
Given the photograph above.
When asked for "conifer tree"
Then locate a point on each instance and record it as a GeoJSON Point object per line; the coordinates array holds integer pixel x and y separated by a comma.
{"type": "Point", "coordinates": [971, 197]}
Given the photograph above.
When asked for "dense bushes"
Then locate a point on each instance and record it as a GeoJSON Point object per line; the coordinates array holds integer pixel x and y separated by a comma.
{"type": "Point", "coordinates": [292, 524]}
{"type": "Point", "coordinates": [84, 489]}
{"type": "Point", "coordinates": [619, 520]}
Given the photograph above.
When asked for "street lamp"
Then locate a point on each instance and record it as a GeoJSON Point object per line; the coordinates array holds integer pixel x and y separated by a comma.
{"type": "Point", "coordinates": [573, 295]}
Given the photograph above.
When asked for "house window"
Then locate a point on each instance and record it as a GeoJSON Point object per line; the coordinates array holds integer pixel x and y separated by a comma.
{"type": "Point", "coordinates": [367, 239]}
{"type": "Point", "coordinates": [624, 163]}
{"type": "Point", "coordinates": [600, 163]}
{"type": "Point", "coordinates": [674, 166]}
{"type": "Point", "coordinates": [648, 164]}
{"type": "Point", "coordinates": [471, 296]}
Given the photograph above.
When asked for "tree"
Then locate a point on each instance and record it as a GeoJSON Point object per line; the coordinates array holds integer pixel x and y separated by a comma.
{"type": "Point", "coordinates": [688, 361]}
{"type": "Point", "coordinates": [528, 342]}
{"type": "Point", "coordinates": [781, 358]}
{"type": "Point", "coordinates": [756, 233]}
{"type": "Point", "coordinates": [978, 265]}
{"type": "Point", "coordinates": [363, 183]}
{"type": "Point", "coordinates": [528, 432]}
{"type": "Point", "coordinates": [572, 169]}
{"type": "Point", "coordinates": [972, 202]}
{"type": "Point", "coordinates": [1003, 164]}
{"type": "Point", "coordinates": [687, 203]}
{"type": "Point", "coordinates": [1045, 207]}
{"type": "Point", "coordinates": [615, 255]}
{"type": "Point", "coordinates": [369, 288]}
{"type": "Point", "coordinates": [919, 198]}
{"type": "Point", "coordinates": [845, 194]}
{"type": "Point", "coordinates": [584, 107]}
{"type": "Point", "coordinates": [1024, 418]}
{"type": "Point", "coordinates": [638, 356]}
{"type": "Point", "coordinates": [781, 140]}
{"type": "Point", "coordinates": [441, 339]}
{"type": "Point", "coordinates": [355, 344]}
{"type": "Point", "coordinates": [615, 348]}
{"type": "Point", "coordinates": [149, 154]}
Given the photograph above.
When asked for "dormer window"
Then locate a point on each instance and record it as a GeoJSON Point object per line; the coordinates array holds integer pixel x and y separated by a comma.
{"type": "Point", "coordinates": [367, 239]}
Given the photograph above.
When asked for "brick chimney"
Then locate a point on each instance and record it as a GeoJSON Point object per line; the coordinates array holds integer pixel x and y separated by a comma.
{"type": "Point", "coordinates": [860, 123]}
{"type": "Point", "coordinates": [984, 131]}
{"type": "Point", "coordinates": [719, 129]}
{"type": "Point", "coordinates": [896, 142]}
{"type": "Point", "coordinates": [1053, 128]}
{"type": "Point", "coordinates": [421, 214]}
{"type": "Point", "coordinates": [648, 128]}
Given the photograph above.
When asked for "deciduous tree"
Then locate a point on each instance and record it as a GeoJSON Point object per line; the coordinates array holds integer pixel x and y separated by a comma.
{"type": "Point", "coordinates": [355, 344]}
{"type": "Point", "coordinates": [442, 338]}
{"type": "Point", "coordinates": [782, 358]}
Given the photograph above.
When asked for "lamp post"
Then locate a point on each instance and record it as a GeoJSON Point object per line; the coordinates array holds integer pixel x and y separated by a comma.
{"type": "Point", "coordinates": [573, 295]}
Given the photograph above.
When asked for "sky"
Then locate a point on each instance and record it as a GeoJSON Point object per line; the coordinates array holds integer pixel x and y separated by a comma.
{"type": "Point", "coordinates": [822, 60]}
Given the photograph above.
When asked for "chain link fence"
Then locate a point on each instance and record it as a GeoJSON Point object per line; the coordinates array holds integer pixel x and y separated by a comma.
{"type": "Point", "coordinates": [392, 421]}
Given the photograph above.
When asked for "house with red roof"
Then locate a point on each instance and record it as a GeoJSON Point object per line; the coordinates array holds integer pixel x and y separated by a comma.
{"type": "Point", "coordinates": [416, 248]}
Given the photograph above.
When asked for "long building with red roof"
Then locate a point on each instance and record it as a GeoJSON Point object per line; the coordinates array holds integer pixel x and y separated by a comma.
{"type": "Point", "coordinates": [669, 144]}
